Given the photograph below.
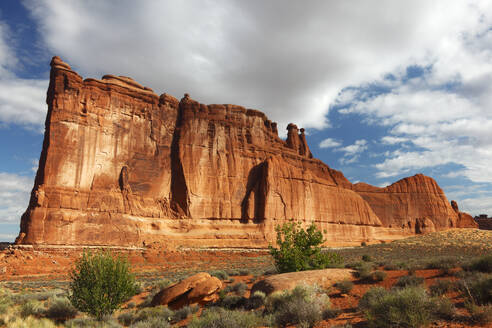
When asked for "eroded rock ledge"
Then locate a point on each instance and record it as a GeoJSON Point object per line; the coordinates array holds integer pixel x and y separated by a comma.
{"type": "Point", "coordinates": [123, 166]}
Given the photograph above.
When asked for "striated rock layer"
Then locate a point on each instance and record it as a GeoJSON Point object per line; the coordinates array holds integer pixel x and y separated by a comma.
{"type": "Point", "coordinates": [123, 166]}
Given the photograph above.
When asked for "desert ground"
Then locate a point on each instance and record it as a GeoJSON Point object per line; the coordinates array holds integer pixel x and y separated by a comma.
{"type": "Point", "coordinates": [42, 273]}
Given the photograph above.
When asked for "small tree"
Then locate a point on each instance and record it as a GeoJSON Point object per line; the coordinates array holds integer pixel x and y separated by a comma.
{"type": "Point", "coordinates": [101, 283]}
{"type": "Point", "coordinates": [300, 249]}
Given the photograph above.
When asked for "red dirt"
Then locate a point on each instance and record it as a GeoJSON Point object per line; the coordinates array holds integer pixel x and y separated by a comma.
{"type": "Point", "coordinates": [29, 265]}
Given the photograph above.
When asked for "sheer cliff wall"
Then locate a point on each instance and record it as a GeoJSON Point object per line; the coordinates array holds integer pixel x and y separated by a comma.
{"type": "Point", "coordinates": [123, 166]}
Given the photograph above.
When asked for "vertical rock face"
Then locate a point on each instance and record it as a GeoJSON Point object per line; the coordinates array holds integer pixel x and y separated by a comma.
{"type": "Point", "coordinates": [121, 165]}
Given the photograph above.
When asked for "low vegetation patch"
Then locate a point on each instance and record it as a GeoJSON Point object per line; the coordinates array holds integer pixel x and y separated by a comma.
{"type": "Point", "coordinates": [304, 306]}
{"type": "Point", "coordinates": [344, 286]}
{"type": "Point", "coordinates": [406, 307]}
{"type": "Point", "coordinates": [409, 281]}
{"type": "Point", "coordinates": [220, 318]}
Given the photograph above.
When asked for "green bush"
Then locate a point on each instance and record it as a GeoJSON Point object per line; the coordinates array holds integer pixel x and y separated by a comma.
{"type": "Point", "coordinates": [151, 323]}
{"type": "Point", "coordinates": [238, 288]}
{"type": "Point", "coordinates": [407, 307]}
{"type": "Point", "coordinates": [31, 322]}
{"type": "Point", "coordinates": [220, 274]}
{"type": "Point", "coordinates": [303, 306]}
{"type": "Point", "coordinates": [479, 291]}
{"type": "Point", "coordinates": [32, 307]}
{"type": "Point", "coordinates": [220, 318]}
{"type": "Point", "coordinates": [483, 264]}
{"type": "Point", "coordinates": [107, 322]}
{"type": "Point", "coordinates": [161, 312]}
{"type": "Point", "coordinates": [366, 258]}
{"type": "Point", "coordinates": [300, 249]}
{"type": "Point", "coordinates": [344, 286]}
{"type": "Point", "coordinates": [379, 275]}
{"type": "Point", "coordinates": [61, 309]}
{"type": "Point", "coordinates": [441, 287]}
{"type": "Point", "coordinates": [445, 265]}
{"type": "Point", "coordinates": [184, 312]}
{"type": "Point", "coordinates": [255, 301]}
{"type": "Point", "coordinates": [409, 281]}
{"type": "Point", "coordinates": [232, 302]}
{"type": "Point", "coordinates": [479, 314]}
{"type": "Point", "coordinates": [5, 301]}
{"type": "Point", "coordinates": [101, 283]}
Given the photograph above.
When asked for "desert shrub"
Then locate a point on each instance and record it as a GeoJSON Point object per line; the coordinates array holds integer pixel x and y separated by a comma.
{"type": "Point", "coordinates": [303, 306]}
{"type": "Point", "coordinates": [162, 283]}
{"type": "Point", "coordinates": [479, 291]}
{"type": "Point", "coordinates": [151, 323]}
{"type": "Point", "coordinates": [479, 314]}
{"type": "Point", "coordinates": [5, 301]}
{"type": "Point", "coordinates": [221, 318]}
{"type": "Point", "coordinates": [407, 307]}
{"type": "Point", "coordinates": [379, 275]}
{"type": "Point", "coordinates": [31, 322]}
{"type": "Point", "coordinates": [240, 288]}
{"type": "Point", "coordinates": [244, 272]}
{"type": "Point", "coordinates": [233, 272]}
{"type": "Point", "coordinates": [363, 243]}
{"type": "Point", "coordinates": [300, 249]}
{"type": "Point", "coordinates": [32, 307]}
{"type": "Point", "coordinates": [344, 286]}
{"type": "Point", "coordinates": [101, 283]}
{"type": "Point", "coordinates": [126, 318]}
{"type": "Point", "coordinates": [390, 267]}
{"type": "Point", "coordinates": [483, 264]}
{"type": "Point", "coordinates": [255, 301]}
{"type": "Point", "coordinates": [367, 258]}
{"type": "Point", "coordinates": [331, 313]}
{"type": "Point", "coordinates": [445, 265]}
{"type": "Point", "coordinates": [162, 312]}
{"type": "Point", "coordinates": [184, 312]}
{"type": "Point", "coordinates": [220, 274]}
{"type": "Point", "coordinates": [443, 308]}
{"type": "Point", "coordinates": [106, 322]}
{"type": "Point", "coordinates": [232, 302]}
{"type": "Point", "coordinates": [441, 287]}
{"type": "Point", "coordinates": [363, 270]}
{"type": "Point", "coordinates": [408, 281]}
{"type": "Point", "coordinates": [131, 305]}
{"type": "Point", "coordinates": [39, 296]}
{"type": "Point", "coordinates": [61, 309]}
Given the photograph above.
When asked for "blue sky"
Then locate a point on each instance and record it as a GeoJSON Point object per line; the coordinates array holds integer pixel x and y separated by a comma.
{"type": "Point", "coordinates": [384, 89]}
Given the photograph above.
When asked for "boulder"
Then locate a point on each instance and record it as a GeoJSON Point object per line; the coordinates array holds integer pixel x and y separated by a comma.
{"type": "Point", "coordinates": [287, 281]}
{"type": "Point", "coordinates": [200, 288]}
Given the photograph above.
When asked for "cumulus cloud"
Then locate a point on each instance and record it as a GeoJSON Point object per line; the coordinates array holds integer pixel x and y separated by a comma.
{"type": "Point", "coordinates": [287, 59]}
{"type": "Point", "coordinates": [352, 152]}
{"type": "Point", "coordinates": [14, 196]}
{"type": "Point", "coordinates": [329, 143]}
{"type": "Point", "coordinates": [444, 111]}
{"type": "Point", "coordinates": [22, 101]}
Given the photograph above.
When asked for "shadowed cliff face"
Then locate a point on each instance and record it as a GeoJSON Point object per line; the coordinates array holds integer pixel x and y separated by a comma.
{"type": "Point", "coordinates": [121, 165]}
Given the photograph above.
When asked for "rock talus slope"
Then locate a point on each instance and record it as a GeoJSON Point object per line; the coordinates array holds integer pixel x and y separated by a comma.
{"type": "Point", "coordinates": [123, 166]}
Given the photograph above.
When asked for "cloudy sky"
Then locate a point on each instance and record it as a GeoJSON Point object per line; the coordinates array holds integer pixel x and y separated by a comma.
{"type": "Point", "coordinates": [385, 89]}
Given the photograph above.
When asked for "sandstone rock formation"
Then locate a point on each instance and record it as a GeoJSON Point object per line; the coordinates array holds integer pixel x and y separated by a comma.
{"type": "Point", "coordinates": [465, 220]}
{"type": "Point", "coordinates": [123, 166]}
{"type": "Point", "coordinates": [200, 288]}
{"type": "Point", "coordinates": [286, 281]}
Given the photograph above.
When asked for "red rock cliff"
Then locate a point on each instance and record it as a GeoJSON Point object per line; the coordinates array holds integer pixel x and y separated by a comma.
{"type": "Point", "coordinates": [121, 165]}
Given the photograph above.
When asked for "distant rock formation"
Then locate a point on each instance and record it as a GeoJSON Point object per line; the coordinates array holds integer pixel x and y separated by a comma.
{"type": "Point", "coordinates": [483, 221]}
{"type": "Point", "coordinates": [123, 166]}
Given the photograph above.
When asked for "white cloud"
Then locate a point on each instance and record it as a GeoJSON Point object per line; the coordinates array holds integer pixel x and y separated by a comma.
{"type": "Point", "coordinates": [6, 237]}
{"type": "Point", "coordinates": [14, 196]}
{"type": "Point", "coordinates": [352, 152]}
{"type": "Point", "coordinates": [287, 59]}
{"type": "Point", "coordinates": [390, 140]}
{"type": "Point", "coordinates": [329, 143]}
{"type": "Point", "coordinates": [22, 101]}
{"type": "Point", "coordinates": [476, 206]}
